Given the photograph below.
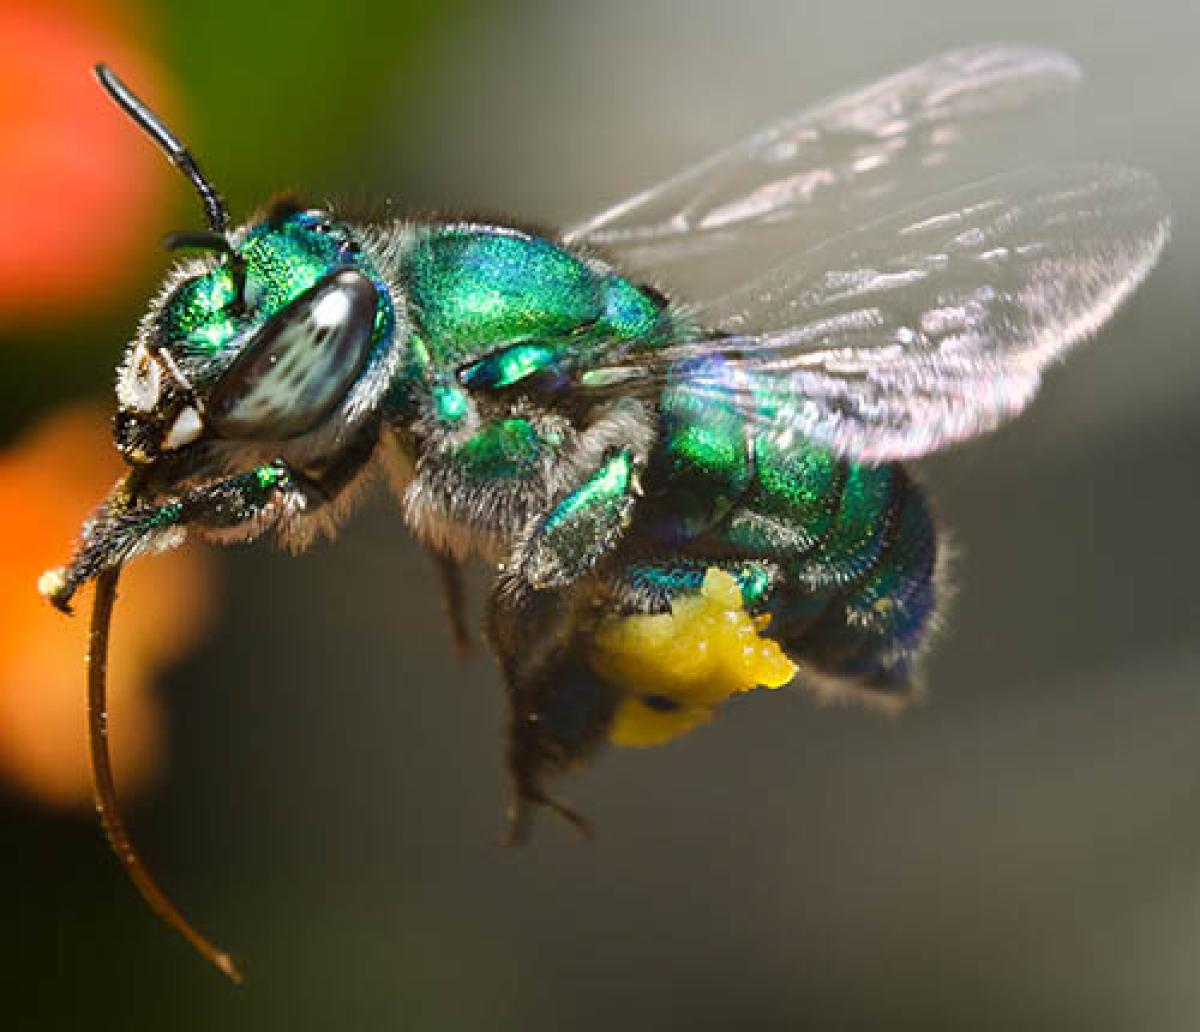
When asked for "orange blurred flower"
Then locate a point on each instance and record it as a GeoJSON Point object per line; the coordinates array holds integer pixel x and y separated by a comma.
{"type": "Point", "coordinates": [80, 192]}
{"type": "Point", "coordinates": [49, 482]}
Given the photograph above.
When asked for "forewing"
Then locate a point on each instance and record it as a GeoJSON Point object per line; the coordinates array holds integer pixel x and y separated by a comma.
{"type": "Point", "coordinates": [927, 328]}
{"type": "Point", "coordinates": [834, 165]}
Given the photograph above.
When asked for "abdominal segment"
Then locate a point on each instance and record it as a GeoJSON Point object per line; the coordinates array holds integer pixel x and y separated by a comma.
{"type": "Point", "coordinates": [851, 611]}
{"type": "Point", "coordinates": [841, 604]}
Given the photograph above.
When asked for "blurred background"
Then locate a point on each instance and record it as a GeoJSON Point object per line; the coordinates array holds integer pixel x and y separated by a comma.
{"type": "Point", "coordinates": [317, 780]}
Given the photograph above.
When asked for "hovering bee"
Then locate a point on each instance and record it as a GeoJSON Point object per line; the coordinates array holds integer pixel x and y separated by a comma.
{"type": "Point", "coordinates": [620, 435]}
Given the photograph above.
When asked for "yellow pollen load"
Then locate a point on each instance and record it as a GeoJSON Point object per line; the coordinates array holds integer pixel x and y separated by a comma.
{"type": "Point", "coordinates": [677, 667]}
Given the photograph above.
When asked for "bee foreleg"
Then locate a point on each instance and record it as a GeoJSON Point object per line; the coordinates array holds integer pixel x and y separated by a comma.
{"type": "Point", "coordinates": [243, 506]}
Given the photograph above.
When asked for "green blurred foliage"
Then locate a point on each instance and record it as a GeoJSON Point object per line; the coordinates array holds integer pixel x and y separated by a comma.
{"type": "Point", "coordinates": [294, 91]}
{"type": "Point", "coordinates": [269, 99]}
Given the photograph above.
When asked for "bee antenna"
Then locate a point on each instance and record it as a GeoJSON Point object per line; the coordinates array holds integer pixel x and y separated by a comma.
{"type": "Point", "coordinates": [215, 213]}
{"type": "Point", "coordinates": [106, 793]}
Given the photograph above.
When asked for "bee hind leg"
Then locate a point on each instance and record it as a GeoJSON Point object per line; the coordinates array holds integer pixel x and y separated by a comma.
{"type": "Point", "coordinates": [559, 709]}
{"type": "Point", "coordinates": [520, 815]}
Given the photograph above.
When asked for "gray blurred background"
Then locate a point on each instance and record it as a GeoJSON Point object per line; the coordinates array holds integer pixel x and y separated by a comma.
{"type": "Point", "coordinates": [1022, 851]}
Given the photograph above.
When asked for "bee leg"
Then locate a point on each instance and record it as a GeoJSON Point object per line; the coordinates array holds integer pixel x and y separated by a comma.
{"type": "Point", "coordinates": [454, 602]}
{"type": "Point", "coordinates": [520, 816]}
{"type": "Point", "coordinates": [558, 709]}
{"type": "Point", "coordinates": [582, 527]}
{"type": "Point", "coordinates": [275, 495]}
{"type": "Point", "coordinates": [245, 506]}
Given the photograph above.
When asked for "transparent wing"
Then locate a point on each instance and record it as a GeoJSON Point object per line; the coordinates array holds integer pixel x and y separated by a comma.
{"type": "Point", "coordinates": [837, 164]}
{"type": "Point", "coordinates": [925, 328]}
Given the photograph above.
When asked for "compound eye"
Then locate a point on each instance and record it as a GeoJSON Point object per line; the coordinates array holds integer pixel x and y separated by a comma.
{"type": "Point", "coordinates": [296, 369]}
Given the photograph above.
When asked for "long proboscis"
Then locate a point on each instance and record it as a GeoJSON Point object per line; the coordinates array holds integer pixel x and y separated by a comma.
{"type": "Point", "coordinates": [107, 805]}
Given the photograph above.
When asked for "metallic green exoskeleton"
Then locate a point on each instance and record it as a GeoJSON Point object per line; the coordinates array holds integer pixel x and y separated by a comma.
{"type": "Point", "coordinates": [556, 405]}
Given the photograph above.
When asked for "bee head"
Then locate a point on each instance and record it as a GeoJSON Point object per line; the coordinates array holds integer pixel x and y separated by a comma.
{"type": "Point", "coordinates": [257, 342]}
{"type": "Point", "coordinates": [262, 338]}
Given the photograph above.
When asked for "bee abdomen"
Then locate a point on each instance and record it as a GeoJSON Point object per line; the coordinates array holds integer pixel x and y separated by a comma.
{"type": "Point", "coordinates": [868, 633]}
{"type": "Point", "coordinates": [830, 520]}
{"type": "Point", "coordinates": [856, 550]}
